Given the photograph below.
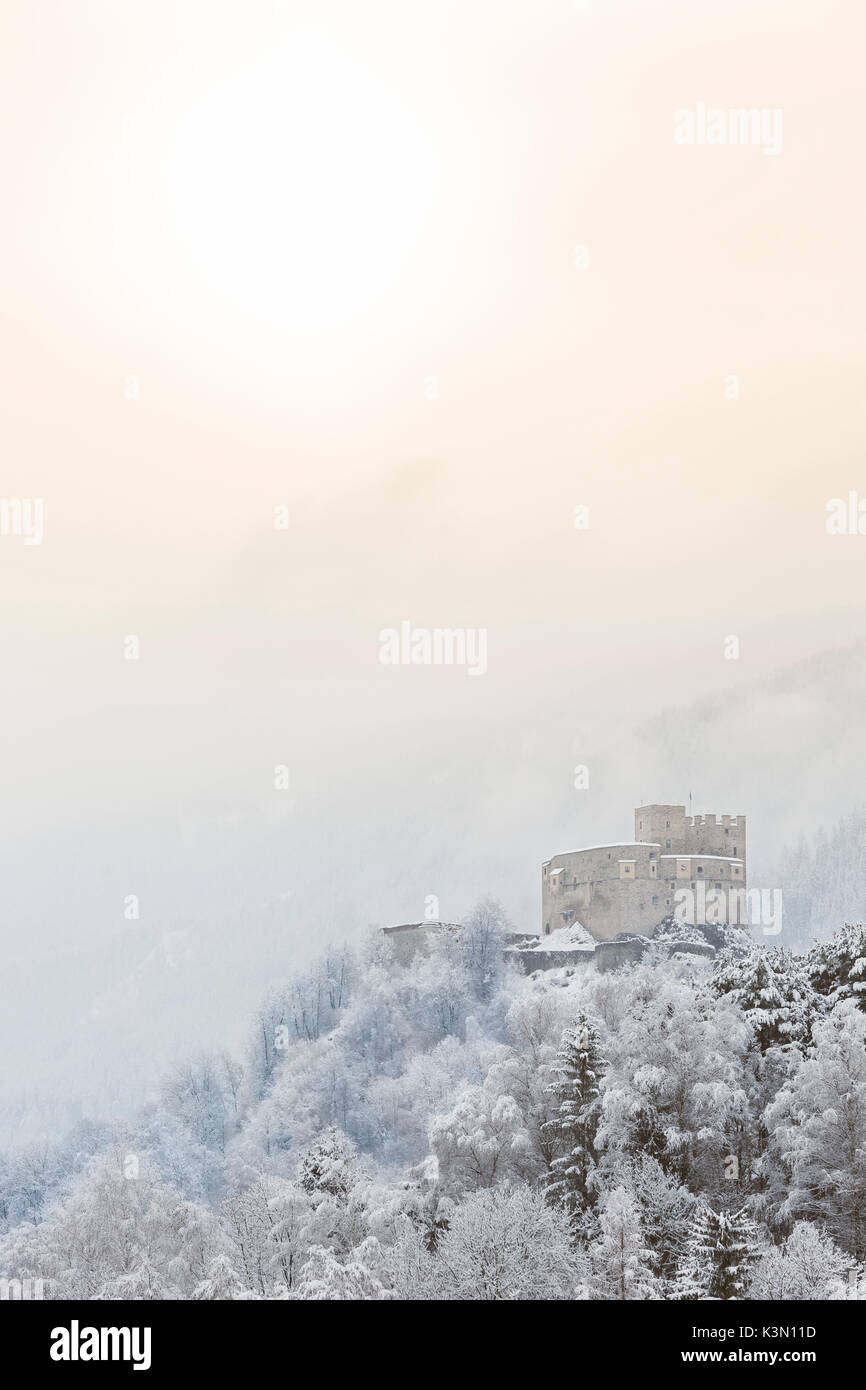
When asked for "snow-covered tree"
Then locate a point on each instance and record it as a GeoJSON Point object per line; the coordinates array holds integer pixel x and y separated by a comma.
{"type": "Point", "coordinates": [503, 1244]}
{"type": "Point", "coordinates": [483, 1140]}
{"type": "Point", "coordinates": [295, 1227]}
{"type": "Point", "coordinates": [665, 1208]}
{"type": "Point", "coordinates": [480, 942]}
{"type": "Point", "coordinates": [221, 1282]}
{"type": "Point", "coordinates": [848, 1288]}
{"type": "Point", "coordinates": [410, 1268]}
{"type": "Point", "coordinates": [802, 1268]}
{"type": "Point", "coordinates": [575, 1091]}
{"type": "Point", "coordinates": [201, 1094]}
{"type": "Point", "coordinates": [818, 1122]}
{"type": "Point", "coordinates": [774, 992]}
{"type": "Point", "coordinates": [116, 1229]}
{"type": "Point", "coordinates": [440, 996]}
{"type": "Point", "coordinates": [329, 1166]}
{"type": "Point", "coordinates": [355, 1277]}
{"type": "Point", "coordinates": [721, 1250]}
{"type": "Point", "coordinates": [676, 1086]}
{"type": "Point", "coordinates": [402, 1106]}
{"type": "Point", "coordinates": [621, 1262]}
{"type": "Point", "coordinates": [837, 967]}
{"type": "Point", "coordinates": [446, 1076]}
{"type": "Point", "coordinates": [261, 1223]}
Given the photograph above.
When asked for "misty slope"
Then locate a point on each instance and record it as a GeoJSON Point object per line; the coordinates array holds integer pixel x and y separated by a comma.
{"type": "Point", "coordinates": [238, 892]}
{"type": "Point", "coordinates": [825, 881]}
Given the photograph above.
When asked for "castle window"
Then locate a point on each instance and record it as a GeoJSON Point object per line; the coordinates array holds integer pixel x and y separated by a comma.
{"type": "Point", "coordinates": [735, 849]}
{"type": "Point", "coordinates": [655, 900]}
{"type": "Point", "coordinates": [727, 831]}
{"type": "Point", "coordinates": [667, 844]}
{"type": "Point", "coordinates": [667, 825]}
{"type": "Point", "coordinates": [700, 870]}
{"type": "Point", "coordinates": [547, 929]}
{"type": "Point", "coordinates": [718, 887]}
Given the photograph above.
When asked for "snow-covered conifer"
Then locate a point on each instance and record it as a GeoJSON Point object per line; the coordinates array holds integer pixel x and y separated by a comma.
{"type": "Point", "coordinates": [721, 1249]}
{"type": "Point", "coordinates": [774, 992]}
{"type": "Point", "coordinates": [576, 1090]}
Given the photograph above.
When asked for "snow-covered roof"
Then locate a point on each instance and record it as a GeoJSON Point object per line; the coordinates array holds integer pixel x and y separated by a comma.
{"type": "Point", "coordinates": [419, 926]}
{"type": "Point", "coordinates": [620, 844]}
{"type": "Point", "coordinates": [557, 871]}
{"type": "Point", "coordinates": [723, 858]}
{"type": "Point", "coordinates": [573, 938]}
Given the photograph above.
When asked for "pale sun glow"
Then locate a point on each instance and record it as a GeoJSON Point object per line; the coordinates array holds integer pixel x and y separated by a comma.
{"type": "Point", "coordinates": [299, 191]}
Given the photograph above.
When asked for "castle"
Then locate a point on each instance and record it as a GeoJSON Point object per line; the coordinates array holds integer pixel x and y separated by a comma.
{"type": "Point", "coordinates": [631, 887]}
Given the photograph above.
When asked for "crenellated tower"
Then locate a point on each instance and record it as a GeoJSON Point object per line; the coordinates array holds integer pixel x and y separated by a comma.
{"type": "Point", "coordinates": [631, 886]}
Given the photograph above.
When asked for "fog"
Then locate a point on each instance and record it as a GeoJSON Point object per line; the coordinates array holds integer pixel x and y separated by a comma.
{"type": "Point", "coordinates": [328, 259]}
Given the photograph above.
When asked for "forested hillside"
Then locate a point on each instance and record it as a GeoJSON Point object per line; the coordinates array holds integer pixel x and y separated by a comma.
{"type": "Point", "coordinates": [447, 1128]}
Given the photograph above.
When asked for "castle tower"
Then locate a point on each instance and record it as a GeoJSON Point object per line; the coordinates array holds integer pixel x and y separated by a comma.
{"type": "Point", "coordinates": [662, 825]}
{"type": "Point", "coordinates": [630, 887]}
{"type": "Point", "coordinates": [717, 837]}
{"type": "Point", "coordinates": [721, 836]}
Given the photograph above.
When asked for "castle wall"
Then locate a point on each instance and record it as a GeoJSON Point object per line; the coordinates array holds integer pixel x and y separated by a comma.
{"type": "Point", "coordinates": [631, 887]}
{"type": "Point", "coordinates": [608, 955]}
{"type": "Point", "coordinates": [608, 889]}
{"type": "Point", "coordinates": [409, 937]}
{"type": "Point", "coordinates": [685, 869]}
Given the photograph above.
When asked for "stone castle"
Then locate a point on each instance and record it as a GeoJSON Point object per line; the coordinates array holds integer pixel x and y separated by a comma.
{"type": "Point", "coordinates": [630, 887]}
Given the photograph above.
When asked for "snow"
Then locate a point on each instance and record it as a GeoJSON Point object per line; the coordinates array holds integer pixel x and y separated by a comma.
{"type": "Point", "coordinates": [674, 931]}
{"type": "Point", "coordinates": [722, 858]}
{"type": "Point", "coordinates": [464, 1102]}
{"type": "Point", "coordinates": [620, 844]}
{"type": "Point", "coordinates": [573, 938]}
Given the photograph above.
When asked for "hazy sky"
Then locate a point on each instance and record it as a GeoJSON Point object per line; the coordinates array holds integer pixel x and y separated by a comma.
{"type": "Point", "coordinates": [431, 275]}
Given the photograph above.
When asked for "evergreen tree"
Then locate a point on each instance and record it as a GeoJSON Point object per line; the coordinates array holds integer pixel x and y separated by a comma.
{"type": "Point", "coordinates": [328, 1168]}
{"type": "Point", "coordinates": [837, 967]}
{"type": "Point", "coordinates": [774, 992]}
{"type": "Point", "coordinates": [325, 1278]}
{"type": "Point", "coordinates": [721, 1249]}
{"type": "Point", "coordinates": [665, 1208]}
{"type": "Point", "coordinates": [818, 1124]}
{"type": "Point", "coordinates": [578, 1069]}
